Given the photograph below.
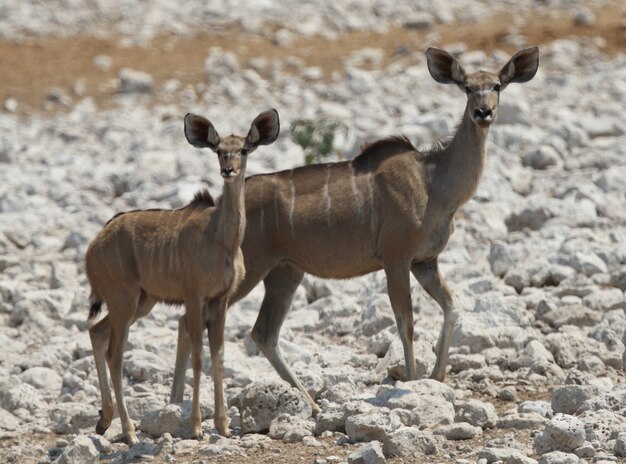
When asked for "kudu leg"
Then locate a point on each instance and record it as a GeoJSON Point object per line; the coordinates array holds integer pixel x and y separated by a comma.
{"type": "Point", "coordinates": [183, 351]}
{"type": "Point", "coordinates": [99, 335]}
{"type": "Point", "coordinates": [117, 340]}
{"type": "Point", "coordinates": [193, 313]}
{"type": "Point", "coordinates": [280, 286]}
{"type": "Point", "coordinates": [430, 278]}
{"type": "Point", "coordinates": [399, 289]}
{"type": "Point", "coordinates": [215, 326]}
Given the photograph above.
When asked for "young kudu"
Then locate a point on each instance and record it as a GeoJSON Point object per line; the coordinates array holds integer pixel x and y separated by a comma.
{"type": "Point", "coordinates": [390, 208]}
{"type": "Point", "coordinates": [189, 256]}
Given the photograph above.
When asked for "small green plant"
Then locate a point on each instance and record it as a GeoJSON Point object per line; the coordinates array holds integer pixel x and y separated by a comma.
{"type": "Point", "coordinates": [317, 138]}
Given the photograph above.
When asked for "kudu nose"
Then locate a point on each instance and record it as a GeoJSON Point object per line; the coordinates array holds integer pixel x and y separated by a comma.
{"type": "Point", "coordinates": [226, 172]}
{"type": "Point", "coordinates": [482, 113]}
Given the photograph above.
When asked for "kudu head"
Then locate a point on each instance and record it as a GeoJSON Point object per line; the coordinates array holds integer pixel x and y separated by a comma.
{"type": "Point", "coordinates": [233, 149]}
{"type": "Point", "coordinates": [482, 88]}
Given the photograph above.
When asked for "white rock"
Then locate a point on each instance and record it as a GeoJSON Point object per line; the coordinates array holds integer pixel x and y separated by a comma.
{"type": "Point", "coordinates": [542, 408]}
{"type": "Point", "coordinates": [377, 316]}
{"type": "Point", "coordinates": [43, 378]}
{"type": "Point", "coordinates": [409, 442]}
{"type": "Point", "coordinates": [562, 433]}
{"type": "Point", "coordinates": [477, 413]}
{"type": "Point", "coordinates": [542, 157]}
{"type": "Point", "coordinates": [262, 401]}
{"type": "Point", "coordinates": [174, 419]}
{"type": "Point", "coordinates": [289, 427]}
{"type": "Point", "coordinates": [371, 453]}
{"type": "Point", "coordinates": [369, 426]}
{"type": "Point", "coordinates": [408, 395]}
{"type": "Point", "coordinates": [505, 456]}
{"type": "Point", "coordinates": [559, 457]}
{"type": "Point", "coordinates": [568, 398]}
{"type": "Point", "coordinates": [80, 450]}
{"type": "Point", "coordinates": [460, 431]}
{"type": "Point", "coordinates": [143, 365]}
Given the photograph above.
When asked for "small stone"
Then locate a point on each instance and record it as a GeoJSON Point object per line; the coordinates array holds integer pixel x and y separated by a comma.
{"type": "Point", "coordinates": [419, 21]}
{"type": "Point", "coordinates": [460, 431]}
{"type": "Point", "coordinates": [132, 81]}
{"type": "Point", "coordinates": [10, 105]}
{"type": "Point", "coordinates": [584, 17]}
{"type": "Point", "coordinates": [103, 62]}
{"type": "Point", "coordinates": [508, 393]}
{"type": "Point", "coordinates": [520, 421]}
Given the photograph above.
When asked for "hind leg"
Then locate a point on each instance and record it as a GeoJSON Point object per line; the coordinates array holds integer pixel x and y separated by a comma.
{"type": "Point", "coordinates": [122, 310]}
{"type": "Point", "coordinates": [99, 335]}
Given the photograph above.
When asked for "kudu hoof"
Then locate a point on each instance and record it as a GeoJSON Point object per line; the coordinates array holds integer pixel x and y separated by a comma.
{"type": "Point", "coordinates": [100, 427]}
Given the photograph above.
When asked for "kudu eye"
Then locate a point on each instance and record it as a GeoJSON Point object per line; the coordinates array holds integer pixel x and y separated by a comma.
{"type": "Point", "coordinates": [468, 90]}
{"type": "Point", "coordinates": [497, 87]}
{"type": "Point", "coordinates": [244, 152]}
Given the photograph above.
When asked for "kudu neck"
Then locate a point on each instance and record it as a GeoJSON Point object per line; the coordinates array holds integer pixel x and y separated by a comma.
{"type": "Point", "coordinates": [464, 160]}
{"type": "Point", "coordinates": [233, 212]}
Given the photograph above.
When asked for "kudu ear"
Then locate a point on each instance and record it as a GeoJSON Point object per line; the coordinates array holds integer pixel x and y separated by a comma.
{"type": "Point", "coordinates": [444, 68]}
{"type": "Point", "coordinates": [264, 129]}
{"type": "Point", "coordinates": [521, 68]}
{"type": "Point", "coordinates": [200, 132]}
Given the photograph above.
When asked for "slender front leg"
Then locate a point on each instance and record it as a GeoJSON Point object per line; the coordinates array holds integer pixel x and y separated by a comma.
{"type": "Point", "coordinates": [430, 278]}
{"type": "Point", "coordinates": [99, 334]}
{"type": "Point", "coordinates": [280, 286]}
{"type": "Point", "coordinates": [215, 325]}
{"type": "Point", "coordinates": [183, 350]}
{"type": "Point", "coordinates": [399, 289]}
{"type": "Point", "coordinates": [194, 318]}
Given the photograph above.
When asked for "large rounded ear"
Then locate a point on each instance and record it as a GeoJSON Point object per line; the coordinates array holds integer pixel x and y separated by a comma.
{"type": "Point", "coordinates": [264, 129]}
{"type": "Point", "coordinates": [521, 68]}
{"type": "Point", "coordinates": [200, 132]}
{"type": "Point", "coordinates": [444, 68]}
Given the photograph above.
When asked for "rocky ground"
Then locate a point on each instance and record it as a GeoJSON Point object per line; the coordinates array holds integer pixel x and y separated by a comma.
{"type": "Point", "coordinates": [93, 97]}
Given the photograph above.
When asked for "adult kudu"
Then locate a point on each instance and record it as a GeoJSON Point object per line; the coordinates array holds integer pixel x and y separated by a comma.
{"type": "Point", "coordinates": [390, 208]}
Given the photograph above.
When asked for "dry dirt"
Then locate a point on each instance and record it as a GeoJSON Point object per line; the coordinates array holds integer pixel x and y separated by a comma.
{"type": "Point", "coordinates": [31, 67]}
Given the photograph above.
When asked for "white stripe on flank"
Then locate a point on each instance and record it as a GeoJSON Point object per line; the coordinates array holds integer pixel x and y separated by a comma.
{"type": "Point", "coordinates": [370, 191]}
{"type": "Point", "coordinates": [154, 240]}
{"type": "Point", "coordinates": [327, 197]}
{"type": "Point", "coordinates": [276, 204]}
{"type": "Point", "coordinates": [174, 258]}
{"type": "Point", "coordinates": [163, 251]}
{"type": "Point", "coordinates": [357, 195]}
{"type": "Point", "coordinates": [292, 204]}
{"type": "Point", "coordinates": [262, 208]}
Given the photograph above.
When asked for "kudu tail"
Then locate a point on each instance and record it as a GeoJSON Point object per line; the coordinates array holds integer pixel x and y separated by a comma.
{"type": "Point", "coordinates": [95, 306]}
